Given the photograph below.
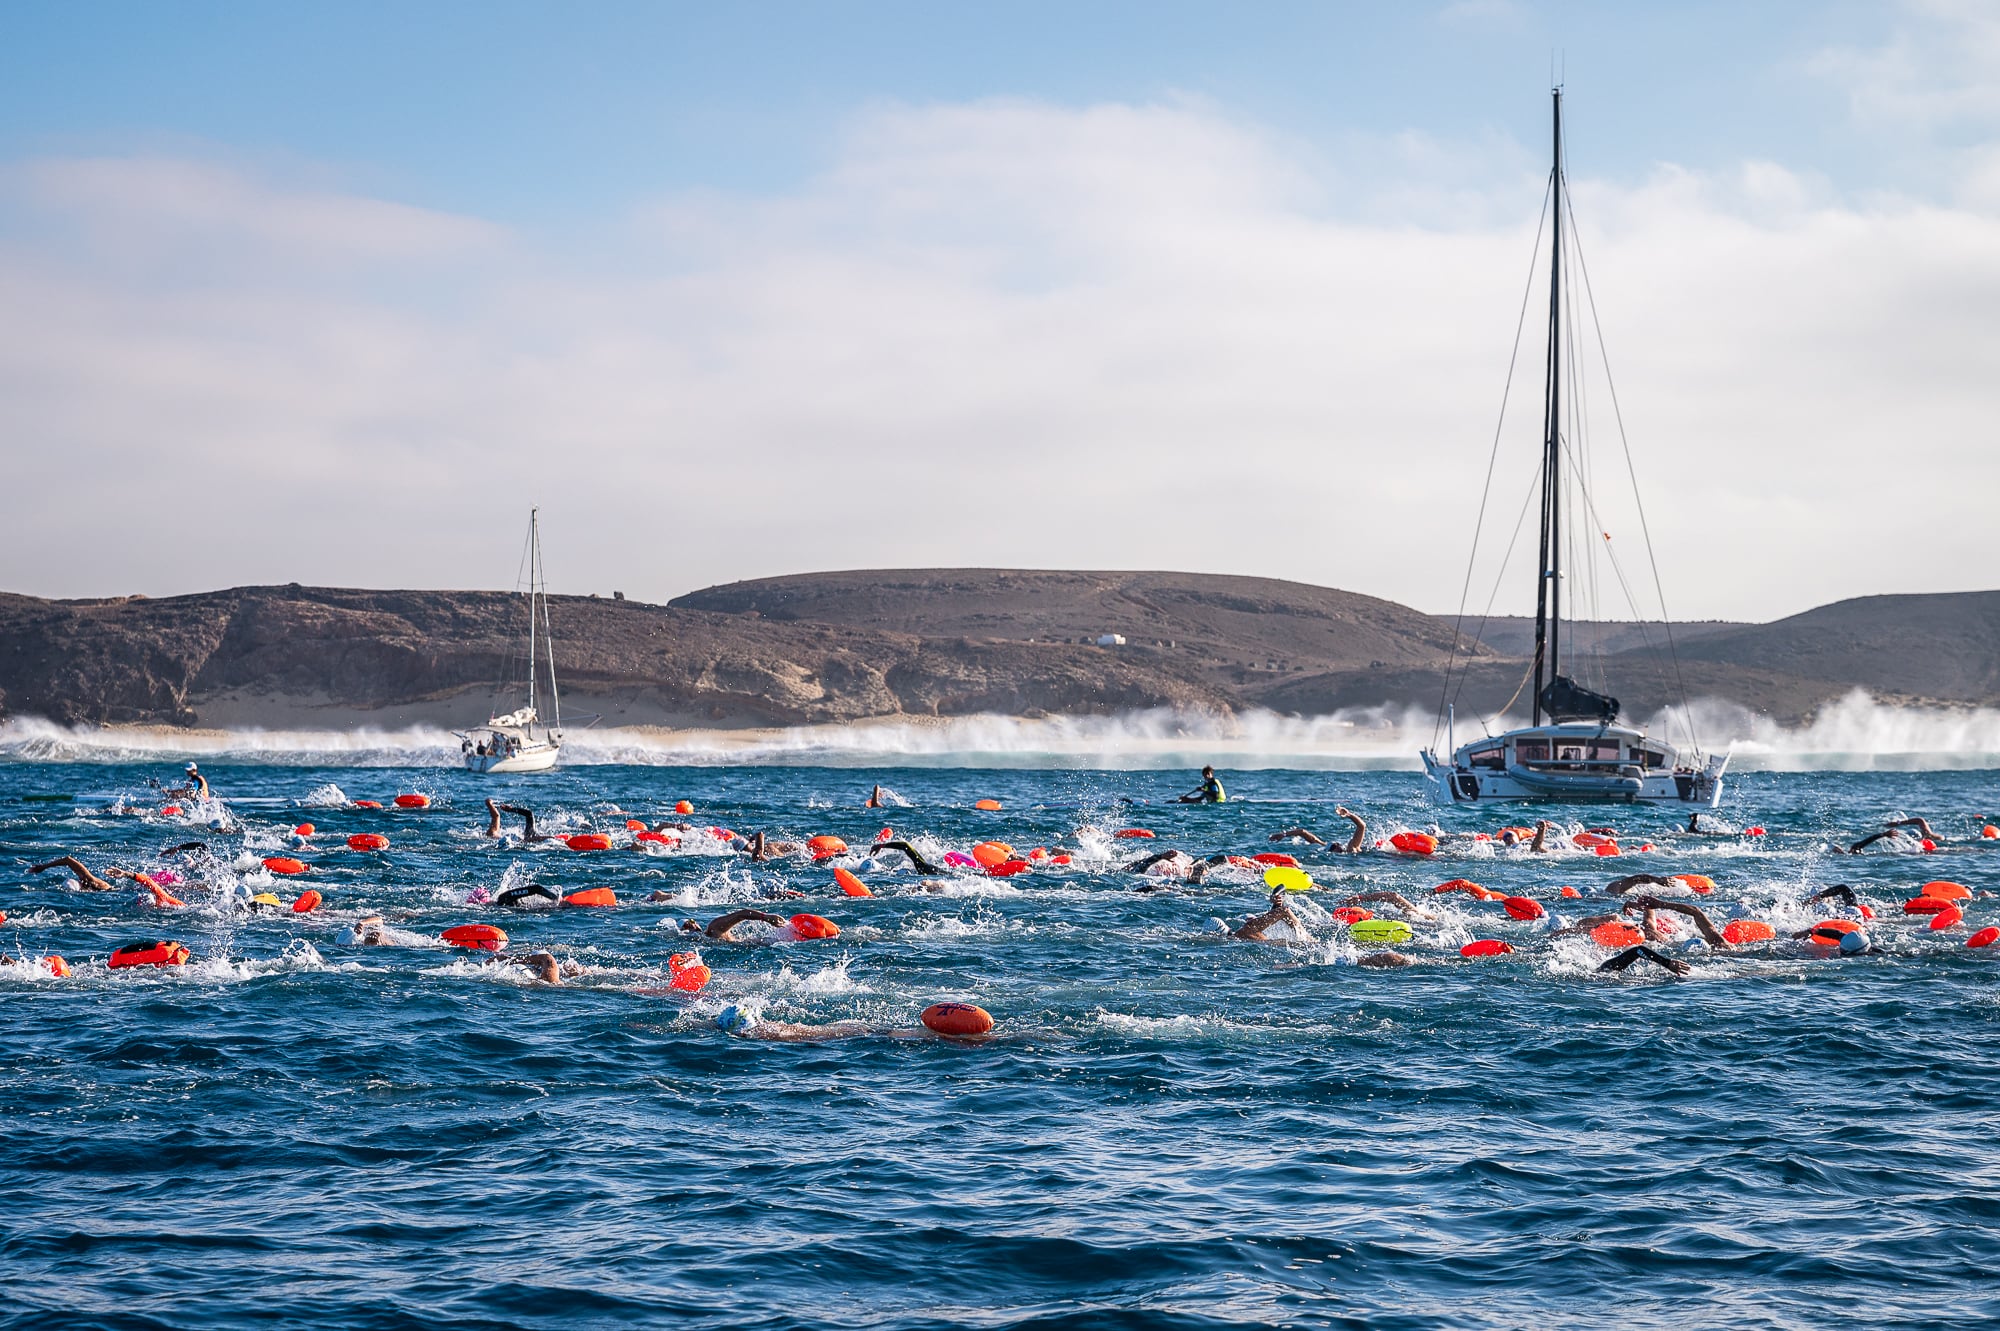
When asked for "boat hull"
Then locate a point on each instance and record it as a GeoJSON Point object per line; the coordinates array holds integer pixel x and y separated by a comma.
{"type": "Point", "coordinates": [1611, 781]}
{"type": "Point", "coordinates": [536, 759]}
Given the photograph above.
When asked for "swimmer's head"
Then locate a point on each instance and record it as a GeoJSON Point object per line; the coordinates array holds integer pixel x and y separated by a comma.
{"type": "Point", "coordinates": [191, 769]}
{"type": "Point", "coordinates": [1853, 941]}
{"type": "Point", "coordinates": [734, 1020]}
{"type": "Point", "coordinates": [691, 926]}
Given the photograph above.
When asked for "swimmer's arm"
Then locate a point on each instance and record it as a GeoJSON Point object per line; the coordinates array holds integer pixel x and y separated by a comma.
{"type": "Point", "coordinates": [1840, 892]}
{"type": "Point", "coordinates": [1396, 899]}
{"type": "Point", "coordinates": [1703, 925]}
{"type": "Point", "coordinates": [720, 926]}
{"type": "Point", "coordinates": [1541, 835]}
{"type": "Point", "coordinates": [1360, 837]}
{"type": "Point", "coordinates": [1632, 954]}
{"type": "Point", "coordinates": [1297, 834]}
{"type": "Point", "coordinates": [1630, 881]}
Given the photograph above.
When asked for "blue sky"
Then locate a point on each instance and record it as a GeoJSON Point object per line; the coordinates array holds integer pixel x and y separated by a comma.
{"type": "Point", "coordinates": [544, 113]}
{"type": "Point", "coordinates": [715, 248]}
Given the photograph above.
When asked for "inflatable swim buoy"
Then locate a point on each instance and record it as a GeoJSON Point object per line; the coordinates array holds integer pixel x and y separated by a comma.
{"type": "Point", "coordinates": [1133, 834]}
{"type": "Point", "coordinates": [1570, 893]}
{"type": "Point", "coordinates": [266, 899]}
{"type": "Point", "coordinates": [1698, 882]}
{"type": "Point", "coordinates": [1925, 905]}
{"type": "Point", "coordinates": [1007, 869]}
{"type": "Point", "coordinates": [367, 804]}
{"type": "Point", "coordinates": [1283, 861]}
{"type": "Point", "coordinates": [1456, 885]}
{"type": "Point", "coordinates": [1606, 849]}
{"type": "Point", "coordinates": [1588, 840]}
{"type": "Point", "coordinates": [886, 834]}
{"type": "Point", "coordinates": [1828, 933]}
{"type": "Point", "coordinates": [1379, 931]}
{"type": "Point", "coordinates": [483, 937]}
{"type": "Point", "coordinates": [1753, 831]}
{"type": "Point", "coordinates": [1415, 843]}
{"type": "Point", "coordinates": [688, 971]}
{"type": "Point", "coordinates": [1616, 933]}
{"type": "Point", "coordinates": [634, 825]}
{"type": "Point", "coordinates": [958, 859]}
{"type": "Point", "coordinates": [684, 807]}
{"type": "Point", "coordinates": [1947, 917]}
{"type": "Point", "coordinates": [722, 834]}
{"type": "Point", "coordinates": [826, 847]}
{"type": "Point", "coordinates": [1523, 908]}
{"type": "Point", "coordinates": [1292, 880]}
{"type": "Point", "coordinates": [1738, 932]}
{"type": "Point", "coordinates": [308, 901]}
{"type": "Point", "coordinates": [56, 966]}
{"type": "Point", "coordinates": [304, 829]}
{"type": "Point", "coordinates": [1990, 832]}
{"type": "Point", "coordinates": [171, 811]}
{"type": "Point", "coordinates": [1351, 915]}
{"type": "Point", "coordinates": [1059, 859]}
{"type": "Point", "coordinates": [814, 926]}
{"type": "Point", "coordinates": [1486, 947]}
{"type": "Point", "coordinates": [959, 1019]}
{"type": "Point", "coordinates": [591, 896]}
{"type": "Point", "coordinates": [851, 885]}
{"type": "Point", "coordinates": [1946, 891]}
{"type": "Point", "coordinates": [148, 954]}
{"type": "Point", "coordinates": [1986, 937]}
{"type": "Point", "coordinates": [413, 801]}
{"type": "Point", "coordinates": [368, 841]}
{"type": "Point", "coordinates": [989, 853]}
{"type": "Point", "coordinates": [588, 841]}
{"type": "Point", "coordinates": [657, 838]}
{"type": "Point", "coordinates": [987, 806]}
{"type": "Point", "coordinates": [283, 864]}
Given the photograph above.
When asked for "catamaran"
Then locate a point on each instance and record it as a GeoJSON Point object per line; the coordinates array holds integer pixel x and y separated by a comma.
{"type": "Point", "coordinates": [1574, 750]}
{"type": "Point", "coordinates": [520, 741]}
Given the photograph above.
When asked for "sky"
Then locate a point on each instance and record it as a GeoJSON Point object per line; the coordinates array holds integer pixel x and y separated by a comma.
{"type": "Point", "coordinates": [334, 294]}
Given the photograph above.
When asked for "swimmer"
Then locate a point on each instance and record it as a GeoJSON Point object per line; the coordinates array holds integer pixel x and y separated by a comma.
{"type": "Point", "coordinates": [528, 832]}
{"type": "Point", "coordinates": [722, 927]}
{"type": "Point", "coordinates": [1895, 830]}
{"type": "Point", "coordinates": [1254, 929]}
{"type": "Point", "coordinates": [875, 800]}
{"type": "Point", "coordinates": [1703, 925]}
{"type": "Point", "coordinates": [1695, 828]}
{"type": "Point", "coordinates": [1355, 842]}
{"type": "Point", "coordinates": [1673, 965]}
{"type": "Point", "coordinates": [196, 785]}
{"type": "Point", "coordinates": [745, 1025]}
{"type": "Point", "coordinates": [517, 897]}
{"type": "Point", "coordinates": [1395, 899]}
{"type": "Point", "coordinates": [1209, 792]}
{"type": "Point", "coordinates": [367, 932]}
{"type": "Point", "coordinates": [1840, 892]}
{"type": "Point", "coordinates": [1632, 880]}
{"type": "Point", "coordinates": [85, 879]}
{"type": "Point", "coordinates": [762, 848]}
{"type": "Point", "coordinates": [917, 861]}
{"type": "Point", "coordinates": [546, 968]}
{"type": "Point", "coordinates": [1177, 864]}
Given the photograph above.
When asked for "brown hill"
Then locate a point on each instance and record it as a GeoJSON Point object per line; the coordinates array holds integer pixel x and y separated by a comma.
{"type": "Point", "coordinates": [843, 646]}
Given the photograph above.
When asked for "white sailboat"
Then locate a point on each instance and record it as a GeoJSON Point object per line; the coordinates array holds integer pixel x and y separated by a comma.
{"type": "Point", "coordinates": [1574, 750]}
{"type": "Point", "coordinates": [520, 741]}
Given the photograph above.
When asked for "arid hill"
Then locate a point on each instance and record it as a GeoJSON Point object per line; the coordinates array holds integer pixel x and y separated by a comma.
{"type": "Point", "coordinates": [844, 646]}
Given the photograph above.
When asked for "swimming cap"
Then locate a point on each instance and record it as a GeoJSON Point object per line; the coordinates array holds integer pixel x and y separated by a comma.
{"type": "Point", "coordinates": [734, 1020]}
{"type": "Point", "coordinates": [1853, 941]}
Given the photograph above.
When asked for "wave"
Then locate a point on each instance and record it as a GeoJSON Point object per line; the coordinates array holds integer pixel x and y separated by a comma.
{"type": "Point", "coordinates": [1857, 733]}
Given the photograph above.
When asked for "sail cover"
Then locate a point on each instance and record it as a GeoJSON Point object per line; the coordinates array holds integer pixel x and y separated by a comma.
{"type": "Point", "coordinates": [1566, 700]}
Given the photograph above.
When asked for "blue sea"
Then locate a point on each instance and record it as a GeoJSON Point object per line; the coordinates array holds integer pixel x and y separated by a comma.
{"type": "Point", "coordinates": [1168, 1128]}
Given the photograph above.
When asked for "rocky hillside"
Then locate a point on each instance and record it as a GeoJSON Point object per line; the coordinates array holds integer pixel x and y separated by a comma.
{"type": "Point", "coordinates": [843, 646]}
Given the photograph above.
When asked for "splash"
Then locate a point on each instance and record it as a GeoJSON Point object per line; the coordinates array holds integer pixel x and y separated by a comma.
{"type": "Point", "coordinates": [1855, 733]}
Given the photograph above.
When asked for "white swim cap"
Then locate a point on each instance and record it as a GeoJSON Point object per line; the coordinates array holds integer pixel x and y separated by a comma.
{"type": "Point", "coordinates": [734, 1019]}
{"type": "Point", "coordinates": [1853, 941]}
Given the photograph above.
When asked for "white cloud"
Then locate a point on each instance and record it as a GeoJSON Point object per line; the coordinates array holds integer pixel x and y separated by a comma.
{"type": "Point", "coordinates": [1000, 333]}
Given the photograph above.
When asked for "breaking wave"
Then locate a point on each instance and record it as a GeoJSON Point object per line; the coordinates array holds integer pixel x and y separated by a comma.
{"type": "Point", "coordinates": [1855, 733]}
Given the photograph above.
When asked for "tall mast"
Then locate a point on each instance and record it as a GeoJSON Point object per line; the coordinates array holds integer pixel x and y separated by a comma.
{"type": "Point", "coordinates": [1548, 594]}
{"type": "Point", "coordinates": [548, 638]}
{"type": "Point", "coordinates": [534, 562]}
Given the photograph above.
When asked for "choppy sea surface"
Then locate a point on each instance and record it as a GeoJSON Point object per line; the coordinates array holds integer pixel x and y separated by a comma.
{"type": "Point", "coordinates": [1169, 1127]}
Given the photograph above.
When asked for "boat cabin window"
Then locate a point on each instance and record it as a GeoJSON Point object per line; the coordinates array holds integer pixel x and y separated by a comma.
{"type": "Point", "coordinates": [1650, 758]}
{"type": "Point", "coordinates": [1531, 750]}
{"type": "Point", "coordinates": [1493, 756]}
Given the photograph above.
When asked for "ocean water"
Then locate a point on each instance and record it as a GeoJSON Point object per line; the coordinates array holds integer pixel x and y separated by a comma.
{"type": "Point", "coordinates": [1168, 1128]}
